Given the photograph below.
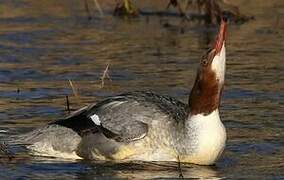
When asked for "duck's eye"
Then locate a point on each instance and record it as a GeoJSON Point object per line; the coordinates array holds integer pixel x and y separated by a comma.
{"type": "Point", "coordinates": [204, 62]}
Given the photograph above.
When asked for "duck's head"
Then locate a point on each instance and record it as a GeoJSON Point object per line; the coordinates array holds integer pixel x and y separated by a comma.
{"type": "Point", "coordinates": [206, 92]}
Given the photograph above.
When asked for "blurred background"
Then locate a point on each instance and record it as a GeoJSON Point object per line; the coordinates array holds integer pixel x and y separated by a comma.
{"type": "Point", "coordinates": [85, 50]}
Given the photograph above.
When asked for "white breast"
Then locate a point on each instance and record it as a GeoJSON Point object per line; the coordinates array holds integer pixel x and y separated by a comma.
{"type": "Point", "coordinates": [206, 138]}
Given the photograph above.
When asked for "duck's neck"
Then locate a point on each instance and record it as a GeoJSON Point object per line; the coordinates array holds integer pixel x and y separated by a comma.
{"type": "Point", "coordinates": [205, 95]}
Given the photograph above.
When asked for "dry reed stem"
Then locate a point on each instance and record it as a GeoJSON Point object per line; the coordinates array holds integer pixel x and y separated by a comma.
{"type": "Point", "coordinates": [75, 93]}
{"type": "Point", "coordinates": [105, 75]}
{"type": "Point", "coordinates": [74, 89]}
{"type": "Point", "coordinates": [98, 6]}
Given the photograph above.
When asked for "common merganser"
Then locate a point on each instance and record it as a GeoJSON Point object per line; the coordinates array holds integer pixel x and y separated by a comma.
{"type": "Point", "coordinates": [146, 126]}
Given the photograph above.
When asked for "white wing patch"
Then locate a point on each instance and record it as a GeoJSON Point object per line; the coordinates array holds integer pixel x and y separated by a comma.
{"type": "Point", "coordinates": [139, 137]}
{"type": "Point", "coordinates": [113, 104]}
{"type": "Point", "coordinates": [95, 118]}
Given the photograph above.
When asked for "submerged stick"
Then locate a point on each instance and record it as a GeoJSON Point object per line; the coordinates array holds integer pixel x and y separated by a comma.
{"type": "Point", "coordinates": [179, 169]}
{"type": "Point", "coordinates": [67, 104]}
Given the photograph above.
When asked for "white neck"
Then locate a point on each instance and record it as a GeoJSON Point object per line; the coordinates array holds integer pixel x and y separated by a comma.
{"type": "Point", "coordinates": [206, 138]}
{"type": "Point", "coordinates": [214, 115]}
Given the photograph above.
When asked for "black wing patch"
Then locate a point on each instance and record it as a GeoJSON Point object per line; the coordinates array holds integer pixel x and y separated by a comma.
{"type": "Point", "coordinates": [108, 123]}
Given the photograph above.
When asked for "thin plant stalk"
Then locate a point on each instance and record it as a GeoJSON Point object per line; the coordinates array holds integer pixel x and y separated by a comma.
{"type": "Point", "coordinates": [98, 6]}
{"type": "Point", "coordinates": [87, 9]}
{"type": "Point", "coordinates": [105, 74]}
{"type": "Point", "coordinates": [74, 90]}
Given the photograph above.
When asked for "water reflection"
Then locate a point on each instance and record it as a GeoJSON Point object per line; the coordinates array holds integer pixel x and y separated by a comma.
{"type": "Point", "coordinates": [149, 170]}
{"type": "Point", "coordinates": [60, 168]}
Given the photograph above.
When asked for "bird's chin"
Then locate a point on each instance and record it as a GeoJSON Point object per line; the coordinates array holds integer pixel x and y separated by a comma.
{"type": "Point", "coordinates": [219, 65]}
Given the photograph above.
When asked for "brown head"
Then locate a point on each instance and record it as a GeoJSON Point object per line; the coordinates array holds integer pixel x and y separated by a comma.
{"type": "Point", "coordinates": [206, 92]}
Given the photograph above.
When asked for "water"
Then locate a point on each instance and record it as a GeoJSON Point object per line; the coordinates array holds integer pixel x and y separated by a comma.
{"type": "Point", "coordinates": [45, 44]}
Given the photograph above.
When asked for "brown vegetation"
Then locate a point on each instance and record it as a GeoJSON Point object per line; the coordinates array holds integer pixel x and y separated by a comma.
{"type": "Point", "coordinates": [211, 11]}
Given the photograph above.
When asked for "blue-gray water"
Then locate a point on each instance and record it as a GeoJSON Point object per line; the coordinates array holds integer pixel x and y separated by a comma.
{"type": "Point", "coordinates": [45, 44]}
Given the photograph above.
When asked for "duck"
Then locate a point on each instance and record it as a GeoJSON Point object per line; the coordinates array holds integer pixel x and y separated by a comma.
{"type": "Point", "coordinates": [146, 126]}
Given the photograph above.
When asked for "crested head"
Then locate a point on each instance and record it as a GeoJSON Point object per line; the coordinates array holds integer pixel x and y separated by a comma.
{"type": "Point", "coordinates": [206, 92]}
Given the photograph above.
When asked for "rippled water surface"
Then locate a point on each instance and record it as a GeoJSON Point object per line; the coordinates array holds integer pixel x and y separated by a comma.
{"type": "Point", "coordinates": [43, 45]}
